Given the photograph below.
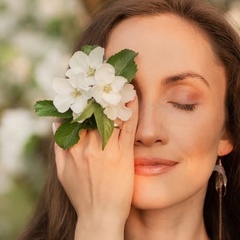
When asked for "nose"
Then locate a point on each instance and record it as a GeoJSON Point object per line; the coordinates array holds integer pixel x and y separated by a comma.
{"type": "Point", "coordinates": [151, 127]}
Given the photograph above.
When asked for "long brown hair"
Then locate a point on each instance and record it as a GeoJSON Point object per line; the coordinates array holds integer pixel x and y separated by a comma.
{"type": "Point", "coordinates": [55, 217]}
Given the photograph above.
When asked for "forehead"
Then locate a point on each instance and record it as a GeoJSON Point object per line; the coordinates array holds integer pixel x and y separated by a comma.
{"type": "Point", "coordinates": [157, 31]}
{"type": "Point", "coordinates": [168, 42]}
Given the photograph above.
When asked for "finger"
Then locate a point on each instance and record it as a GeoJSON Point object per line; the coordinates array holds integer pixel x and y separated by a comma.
{"type": "Point", "coordinates": [60, 154]}
{"type": "Point", "coordinates": [117, 129]}
{"type": "Point", "coordinates": [94, 142]}
{"type": "Point", "coordinates": [87, 147]}
{"type": "Point", "coordinates": [76, 149]}
{"type": "Point", "coordinates": [60, 159]}
{"type": "Point", "coordinates": [114, 139]}
{"type": "Point", "coordinates": [127, 135]}
{"type": "Point", "coordinates": [118, 123]}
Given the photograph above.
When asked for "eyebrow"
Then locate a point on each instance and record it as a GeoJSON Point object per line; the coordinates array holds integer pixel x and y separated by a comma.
{"type": "Point", "coordinates": [182, 76]}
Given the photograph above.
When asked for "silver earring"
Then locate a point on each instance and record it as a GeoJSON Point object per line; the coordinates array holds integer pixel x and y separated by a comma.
{"type": "Point", "coordinates": [220, 183]}
{"type": "Point", "coordinates": [221, 179]}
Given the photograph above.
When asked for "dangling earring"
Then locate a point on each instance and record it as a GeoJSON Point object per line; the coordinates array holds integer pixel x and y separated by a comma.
{"type": "Point", "coordinates": [220, 183]}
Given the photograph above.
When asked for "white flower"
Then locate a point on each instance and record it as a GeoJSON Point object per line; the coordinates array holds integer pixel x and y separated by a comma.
{"type": "Point", "coordinates": [81, 63]}
{"type": "Point", "coordinates": [108, 86]}
{"type": "Point", "coordinates": [71, 93]}
{"type": "Point", "coordinates": [128, 93]}
{"type": "Point", "coordinates": [121, 111]}
{"type": "Point", "coordinates": [90, 77]}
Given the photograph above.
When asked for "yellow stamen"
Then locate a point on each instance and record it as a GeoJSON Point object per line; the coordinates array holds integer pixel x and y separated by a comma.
{"type": "Point", "coordinates": [76, 93]}
{"type": "Point", "coordinates": [91, 71]}
{"type": "Point", "coordinates": [107, 88]}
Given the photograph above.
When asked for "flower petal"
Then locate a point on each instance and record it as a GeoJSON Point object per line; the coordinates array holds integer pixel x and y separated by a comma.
{"type": "Point", "coordinates": [104, 74]}
{"type": "Point", "coordinates": [128, 93]}
{"type": "Point", "coordinates": [79, 62]}
{"type": "Point", "coordinates": [90, 81]}
{"type": "Point", "coordinates": [62, 103]}
{"type": "Point", "coordinates": [76, 115]}
{"type": "Point", "coordinates": [118, 83]}
{"type": "Point", "coordinates": [71, 72]}
{"type": "Point", "coordinates": [124, 113]}
{"type": "Point", "coordinates": [97, 93]}
{"type": "Point", "coordinates": [112, 98]}
{"type": "Point", "coordinates": [62, 86]}
{"type": "Point", "coordinates": [77, 80]}
{"type": "Point", "coordinates": [79, 104]}
{"type": "Point", "coordinates": [111, 112]}
{"type": "Point", "coordinates": [96, 57]}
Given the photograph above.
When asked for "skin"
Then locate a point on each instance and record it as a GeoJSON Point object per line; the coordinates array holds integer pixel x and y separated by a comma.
{"type": "Point", "coordinates": [179, 119]}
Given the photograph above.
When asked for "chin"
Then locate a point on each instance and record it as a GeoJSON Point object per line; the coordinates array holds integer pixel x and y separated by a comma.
{"type": "Point", "coordinates": [150, 195]}
{"type": "Point", "coordinates": [160, 192]}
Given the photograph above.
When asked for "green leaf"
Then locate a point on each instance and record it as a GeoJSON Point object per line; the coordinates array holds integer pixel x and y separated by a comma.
{"type": "Point", "coordinates": [92, 122]}
{"type": "Point", "coordinates": [46, 108]}
{"type": "Point", "coordinates": [88, 48]}
{"type": "Point", "coordinates": [67, 134]}
{"type": "Point", "coordinates": [124, 63]}
{"type": "Point", "coordinates": [87, 112]}
{"type": "Point", "coordinates": [105, 125]}
{"type": "Point", "coordinates": [89, 123]}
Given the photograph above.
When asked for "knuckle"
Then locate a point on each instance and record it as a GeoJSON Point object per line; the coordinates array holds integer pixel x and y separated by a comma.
{"type": "Point", "coordinates": [88, 154]}
{"type": "Point", "coordinates": [129, 129]}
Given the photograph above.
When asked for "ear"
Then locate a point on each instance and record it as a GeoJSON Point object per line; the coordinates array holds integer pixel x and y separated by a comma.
{"type": "Point", "coordinates": [225, 145]}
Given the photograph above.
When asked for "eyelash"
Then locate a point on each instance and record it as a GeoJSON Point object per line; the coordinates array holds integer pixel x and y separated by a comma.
{"type": "Point", "coordinates": [185, 107]}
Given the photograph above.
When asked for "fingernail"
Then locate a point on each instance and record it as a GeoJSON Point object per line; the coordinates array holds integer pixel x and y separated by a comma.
{"type": "Point", "coordinates": [54, 128]}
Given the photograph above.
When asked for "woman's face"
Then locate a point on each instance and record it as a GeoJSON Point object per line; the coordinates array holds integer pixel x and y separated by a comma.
{"type": "Point", "coordinates": [181, 89]}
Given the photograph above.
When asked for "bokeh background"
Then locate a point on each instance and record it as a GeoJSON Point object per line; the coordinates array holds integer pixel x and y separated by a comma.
{"type": "Point", "coordinates": [37, 38]}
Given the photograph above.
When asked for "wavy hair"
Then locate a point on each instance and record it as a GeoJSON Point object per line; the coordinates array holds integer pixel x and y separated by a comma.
{"type": "Point", "coordinates": [55, 217]}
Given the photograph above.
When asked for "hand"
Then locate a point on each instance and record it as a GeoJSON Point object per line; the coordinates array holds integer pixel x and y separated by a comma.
{"type": "Point", "coordinates": [100, 183]}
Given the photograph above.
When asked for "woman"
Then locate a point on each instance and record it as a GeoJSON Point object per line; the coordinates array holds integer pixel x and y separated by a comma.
{"type": "Point", "coordinates": [155, 179]}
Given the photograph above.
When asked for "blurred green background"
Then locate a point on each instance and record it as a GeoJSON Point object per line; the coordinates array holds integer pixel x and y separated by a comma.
{"type": "Point", "coordinates": [36, 40]}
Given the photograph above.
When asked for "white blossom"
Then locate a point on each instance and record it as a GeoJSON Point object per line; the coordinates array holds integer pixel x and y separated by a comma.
{"type": "Point", "coordinates": [108, 86]}
{"type": "Point", "coordinates": [72, 93]}
{"type": "Point", "coordinates": [112, 92]}
{"type": "Point", "coordinates": [81, 63]}
{"type": "Point", "coordinates": [90, 77]}
{"type": "Point", "coordinates": [121, 111]}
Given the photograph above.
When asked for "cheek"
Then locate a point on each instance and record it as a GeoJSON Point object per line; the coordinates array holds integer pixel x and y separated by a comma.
{"type": "Point", "coordinates": [197, 145]}
{"type": "Point", "coordinates": [199, 135]}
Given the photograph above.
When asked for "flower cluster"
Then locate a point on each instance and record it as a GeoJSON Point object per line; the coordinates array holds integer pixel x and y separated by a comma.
{"type": "Point", "coordinates": [90, 77]}
{"type": "Point", "coordinates": [93, 95]}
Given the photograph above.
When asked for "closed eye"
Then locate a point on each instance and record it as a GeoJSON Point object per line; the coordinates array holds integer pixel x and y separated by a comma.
{"type": "Point", "coordinates": [185, 107]}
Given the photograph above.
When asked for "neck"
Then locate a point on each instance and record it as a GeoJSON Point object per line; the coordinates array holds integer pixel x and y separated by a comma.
{"type": "Point", "coordinates": [175, 222]}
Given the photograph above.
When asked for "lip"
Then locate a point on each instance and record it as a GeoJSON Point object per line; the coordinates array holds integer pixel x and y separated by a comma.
{"type": "Point", "coordinates": [153, 166]}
